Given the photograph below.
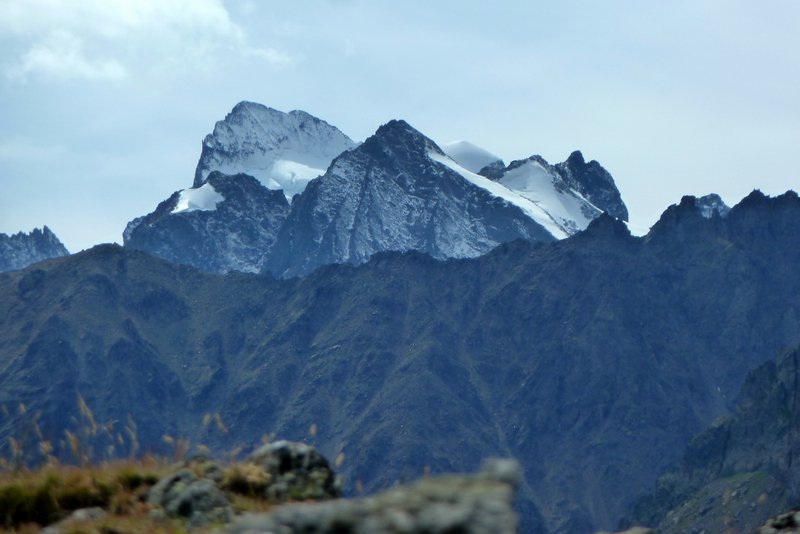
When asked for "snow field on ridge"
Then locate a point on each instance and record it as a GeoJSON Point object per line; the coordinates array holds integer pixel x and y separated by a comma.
{"type": "Point", "coordinates": [529, 207]}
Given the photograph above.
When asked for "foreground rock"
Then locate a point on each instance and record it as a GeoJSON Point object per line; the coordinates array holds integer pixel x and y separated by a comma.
{"type": "Point", "coordinates": [465, 504]}
{"type": "Point", "coordinates": [787, 523]}
{"type": "Point", "coordinates": [200, 490]}
{"type": "Point", "coordinates": [295, 471]}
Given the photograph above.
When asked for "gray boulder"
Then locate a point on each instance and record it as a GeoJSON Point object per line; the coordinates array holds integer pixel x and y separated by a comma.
{"type": "Point", "coordinates": [183, 494]}
{"type": "Point", "coordinates": [296, 472]}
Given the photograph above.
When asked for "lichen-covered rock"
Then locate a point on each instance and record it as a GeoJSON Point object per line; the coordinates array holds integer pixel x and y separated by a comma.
{"type": "Point", "coordinates": [183, 494]}
{"type": "Point", "coordinates": [475, 504]}
{"type": "Point", "coordinates": [295, 471]}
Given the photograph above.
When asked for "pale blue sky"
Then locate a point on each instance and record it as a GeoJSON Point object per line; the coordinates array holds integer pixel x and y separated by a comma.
{"type": "Point", "coordinates": [104, 103]}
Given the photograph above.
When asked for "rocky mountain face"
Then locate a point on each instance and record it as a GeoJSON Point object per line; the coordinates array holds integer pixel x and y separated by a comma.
{"type": "Point", "coordinates": [742, 469]}
{"type": "Point", "coordinates": [229, 223]}
{"type": "Point", "coordinates": [20, 250]}
{"type": "Point", "coordinates": [398, 191]}
{"type": "Point", "coordinates": [282, 150]}
{"type": "Point", "coordinates": [406, 363]}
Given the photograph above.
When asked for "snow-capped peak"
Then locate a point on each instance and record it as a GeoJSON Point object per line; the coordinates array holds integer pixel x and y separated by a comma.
{"type": "Point", "coordinates": [282, 150]}
{"type": "Point", "coordinates": [469, 156]}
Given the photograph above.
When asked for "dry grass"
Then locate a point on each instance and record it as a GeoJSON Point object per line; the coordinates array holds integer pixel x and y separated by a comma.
{"type": "Point", "coordinates": [52, 492]}
{"type": "Point", "coordinates": [31, 499]}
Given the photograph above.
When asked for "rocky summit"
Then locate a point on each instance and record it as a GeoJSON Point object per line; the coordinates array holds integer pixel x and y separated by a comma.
{"type": "Point", "coordinates": [20, 250]}
{"type": "Point", "coordinates": [282, 150]}
{"type": "Point", "coordinates": [594, 183]}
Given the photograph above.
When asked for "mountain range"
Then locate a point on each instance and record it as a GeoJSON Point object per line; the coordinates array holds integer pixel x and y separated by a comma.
{"type": "Point", "coordinates": [593, 359]}
{"type": "Point", "coordinates": [344, 202]}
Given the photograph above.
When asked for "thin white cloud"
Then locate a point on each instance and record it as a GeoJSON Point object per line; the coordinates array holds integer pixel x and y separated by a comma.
{"type": "Point", "coordinates": [24, 151]}
{"type": "Point", "coordinates": [270, 55]}
{"type": "Point", "coordinates": [60, 39]}
{"type": "Point", "coordinates": [61, 55]}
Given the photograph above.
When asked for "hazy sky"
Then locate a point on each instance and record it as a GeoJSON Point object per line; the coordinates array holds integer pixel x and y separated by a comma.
{"type": "Point", "coordinates": [104, 103]}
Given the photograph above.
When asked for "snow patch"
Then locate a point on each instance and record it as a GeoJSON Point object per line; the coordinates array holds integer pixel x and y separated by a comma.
{"type": "Point", "coordinates": [637, 230]}
{"type": "Point", "coordinates": [203, 198]}
{"type": "Point", "coordinates": [293, 176]}
{"type": "Point", "coordinates": [471, 157]}
{"type": "Point", "coordinates": [288, 175]}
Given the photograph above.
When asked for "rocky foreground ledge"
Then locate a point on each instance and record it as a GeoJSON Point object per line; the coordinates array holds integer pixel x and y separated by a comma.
{"type": "Point", "coordinates": [287, 487]}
